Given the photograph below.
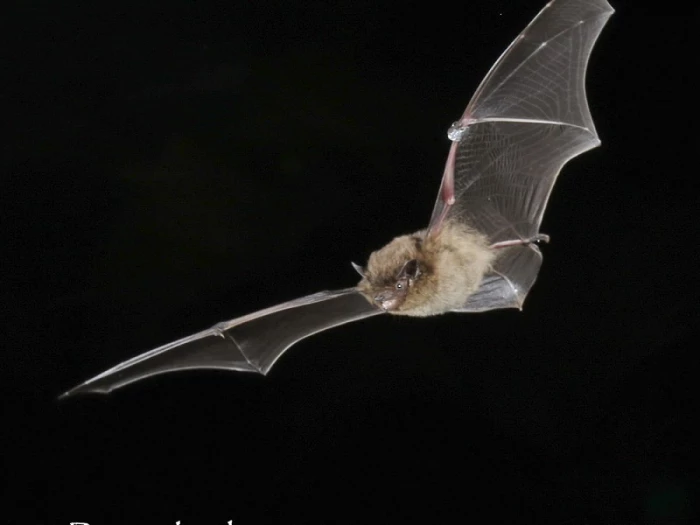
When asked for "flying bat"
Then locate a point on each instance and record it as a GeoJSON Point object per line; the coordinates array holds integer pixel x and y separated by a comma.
{"type": "Point", "coordinates": [527, 118]}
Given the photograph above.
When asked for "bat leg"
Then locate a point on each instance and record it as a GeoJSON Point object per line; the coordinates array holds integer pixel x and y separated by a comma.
{"type": "Point", "coordinates": [540, 237]}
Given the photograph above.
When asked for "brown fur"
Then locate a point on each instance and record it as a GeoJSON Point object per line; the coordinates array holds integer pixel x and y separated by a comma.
{"type": "Point", "coordinates": [452, 265]}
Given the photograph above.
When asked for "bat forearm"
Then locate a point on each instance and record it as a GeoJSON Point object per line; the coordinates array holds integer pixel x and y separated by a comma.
{"type": "Point", "coordinates": [540, 237]}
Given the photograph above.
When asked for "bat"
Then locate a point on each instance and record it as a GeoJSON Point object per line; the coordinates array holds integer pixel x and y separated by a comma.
{"type": "Point", "coordinates": [527, 118]}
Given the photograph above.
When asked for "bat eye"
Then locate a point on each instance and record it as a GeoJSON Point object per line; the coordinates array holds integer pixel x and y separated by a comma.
{"type": "Point", "coordinates": [399, 285]}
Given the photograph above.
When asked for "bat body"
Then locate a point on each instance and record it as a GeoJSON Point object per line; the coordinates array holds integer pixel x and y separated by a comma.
{"type": "Point", "coordinates": [528, 117]}
{"type": "Point", "coordinates": [421, 275]}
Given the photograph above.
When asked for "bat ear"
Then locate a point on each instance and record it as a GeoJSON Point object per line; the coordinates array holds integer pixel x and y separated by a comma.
{"type": "Point", "coordinates": [359, 269]}
{"type": "Point", "coordinates": [410, 270]}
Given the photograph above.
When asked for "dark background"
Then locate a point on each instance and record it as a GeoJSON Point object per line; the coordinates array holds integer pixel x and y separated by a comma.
{"type": "Point", "coordinates": [176, 164]}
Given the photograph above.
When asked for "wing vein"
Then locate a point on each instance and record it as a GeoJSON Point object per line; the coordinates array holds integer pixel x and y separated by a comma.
{"type": "Point", "coordinates": [527, 59]}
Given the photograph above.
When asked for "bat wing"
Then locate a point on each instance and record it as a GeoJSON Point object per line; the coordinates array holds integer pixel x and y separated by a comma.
{"type": "Point", "coordinates": [528, 117]}
{"type": "Point", "coordinates": [252, 343]}
{"type": "Point", "coordinates": [509, 281]}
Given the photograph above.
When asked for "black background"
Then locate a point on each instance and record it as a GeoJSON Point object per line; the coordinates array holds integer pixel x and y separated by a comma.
{"type": "Point", "coordinates": [176, 164]}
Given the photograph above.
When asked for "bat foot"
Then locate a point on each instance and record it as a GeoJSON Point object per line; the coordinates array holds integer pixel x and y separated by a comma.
{"type": "Point", "coordinates": [540, 237]}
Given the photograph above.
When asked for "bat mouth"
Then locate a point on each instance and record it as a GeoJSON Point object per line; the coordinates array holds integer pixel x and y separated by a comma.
{"type": "Point", "coordinates": [387, 305]}
{"type": "Point", "coordinates": [388, 300]}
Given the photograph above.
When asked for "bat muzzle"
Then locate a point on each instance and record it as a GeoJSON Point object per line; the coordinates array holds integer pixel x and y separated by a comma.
{"type": "Point", "coordinates": [388, 300]}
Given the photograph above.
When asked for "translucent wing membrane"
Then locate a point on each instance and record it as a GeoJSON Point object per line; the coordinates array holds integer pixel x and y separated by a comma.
{"type": "Point", "coordinates": [252, 343]}
{"type": "Point", "coordinates": [527, 118]}
{"type": "Point", "coordinates": [542, 73]}
{"type": "Point", "coordinates": [507, 285]}
{"type": "Point", "coordinates": [505, 171]}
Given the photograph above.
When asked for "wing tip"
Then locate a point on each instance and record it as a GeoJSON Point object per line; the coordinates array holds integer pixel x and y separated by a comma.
{"type": "Point", "coordinates": [63, 396]}
{"type": "Point", "coordinates": [81, 389]}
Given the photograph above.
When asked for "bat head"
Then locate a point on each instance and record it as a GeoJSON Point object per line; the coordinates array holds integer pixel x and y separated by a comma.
{"type": "Point", "coordinates": [392, 272]}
